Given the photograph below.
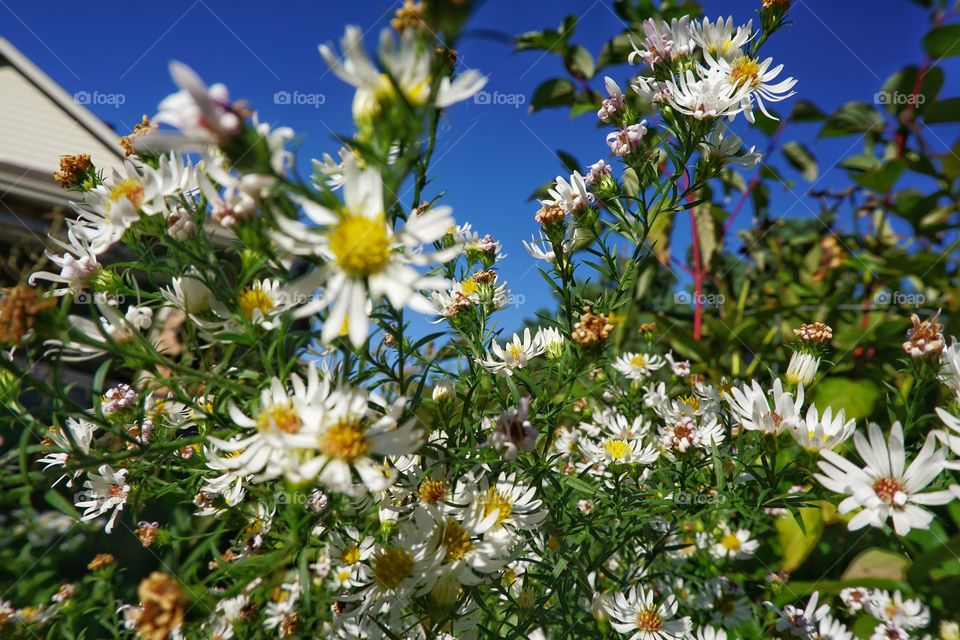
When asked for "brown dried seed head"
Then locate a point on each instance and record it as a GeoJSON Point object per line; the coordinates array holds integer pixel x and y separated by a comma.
{"type": "Point", "coordinates": [163, 606]}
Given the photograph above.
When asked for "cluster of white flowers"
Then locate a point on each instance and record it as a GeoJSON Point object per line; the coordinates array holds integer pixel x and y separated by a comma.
{"type": "Point", "coordinates": [413, 488]}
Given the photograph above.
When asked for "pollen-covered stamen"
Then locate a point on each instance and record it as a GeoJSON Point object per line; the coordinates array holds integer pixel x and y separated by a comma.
{"type": "Point", "coordinates": [494, 500]}
{"type": "Point", "coordinates": [649, 620]}
{"type": "Point", "coordinates": [279, 417]}
{"type": "Point", "coordinates": [617, 449]}
{"type": "Point", "coordinates": [745, 71]}
{"type": "Point", "coordinates": [887, 489]}
{"type": "Point", "coordinates": [432, 491]}
{"type": "Point", "coordinates": [392, 566]}
{"type": "Point", "coordinates": [360, 244]}
{"type": "Point", "coordinates": [455, 540]}
{"type": "Point", "coordinates": [351, 555]}
{"type": "Point", "coordinates": [253, 299]}
{"type": "Point", "coordinates": [730, 542]}
{"type": "Point", "coordinates": [131, 189]}
{"type": "Point", "coordinates": [345, 440]}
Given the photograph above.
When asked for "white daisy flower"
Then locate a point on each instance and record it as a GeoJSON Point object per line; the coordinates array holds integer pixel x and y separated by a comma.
{"type": "Point", "coordinates": [725, 147]}
{"type": "Point", "coordinates": [572, 197]}
{"type": "Point", "coordinates": [688, 434]}
{"type": "Point", "coordinates": [267, 453]}
{"type": "Point", "coordinates": [77, 437]}
{"type": "Point", "coordinates": [800, 622]}
{"type": "Point", "coordinates": [365, 258]}
{"type": "Point", "coordinates": [855, 598]}
{"type": "Point", "coordinates": [93, 345]}
{"type": "Point", "coordinates": [346, 435]}
{"type": "Point", "coordinates": [663, 43]}
{"type": "Point", "coordinates": [637, 614]}
{"type": "Point", "coordinates": [817, 432]}
{"type": "Point", "coordinates": [189, 294]}
{"type": "Point", "coordinates": [515, 354]}
{"type": "Point", "coordinates": [619, 451]}
{"type": "Point", "coordinates": [719, 39]}
{"type": "Point", "coordinates": [735, 544]}
{"type": "Point", "coordinates": [408, 64]}
{"type": "Point", "coordinates": [885, 487]}
{"type": "Point", "coordinates": [499, 508]}
{"type": "Point", "coordinates": [906, 613]}
{"type": "Point", "coordinates": [753, 80]}
{"type": "Point", "coordinates": [405, 567]}
{"type": "Point", "coordinates": [625, 141]}
{"type": "Point", "coordinates": [104, 491]}
{"type": "Point", "coordinates": [706, 95]}
{"type": "Point", "coordinates": [638, 366]}
{"type": "Point", "coordinates": [753, 412]}
{"type": "Point", "coordinates": [78, 265]}
{"type": "Point", "coordinates": [203, 115]}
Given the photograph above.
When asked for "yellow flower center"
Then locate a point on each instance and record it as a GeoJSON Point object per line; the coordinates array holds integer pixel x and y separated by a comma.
{"type": "Point", "coordinates": [649, 620]}
{"type": "Point", "coordinates": [351, 555]}
{"type": "Point", "coordinates": [691, 401]}
{"type": "Point", "coordinates": [432, 491]}
{"type": "Point", "coordinates": [360, 245]}
{"type": "Point", "coordinates": [494, 500]}
{"type": "Point", "coordinates": [638, 361]}
{"type": "Point", "coordinates": [392, 566]}
{"type": "Point", "coordinates": [131, 189]}
{"type": "Point", "coordinates": [345, 440]}
{"type": "Point", "coordinates": [730, 542]}
{"type": "Point", "coordinates": [255, 298]}
{"type": "Point", "coordinates": [279, 417]}
{"type": "Point", "coordinates": [515, 351]}
{"type": "Point", "coordinates": [470, 286]}
{"type": "Point", "coordinates": [745, 71]}
{"type": "Point", "coordinates": [455, 540]}
{"type": "Point", "coordinates": [617, 449]}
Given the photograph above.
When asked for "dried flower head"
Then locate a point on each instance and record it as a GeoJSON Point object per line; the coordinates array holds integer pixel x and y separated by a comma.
{"type": "Point", "coordinates": [162, 605]}
{"type": "Point", "coordinates": [550, 215]}
{"type": "Point", "coordinates": [140, 129]}
{"type": "Point", "coordinates": [19, 307]}
{"type": "Point", "coordinates": [409, 16]}
{"type": "Point", "coordinates": [147, 532]}
{"type": "Point", "coordinates": [485, 277]}
{"type": "Point", "coordinates": [592, 329]}
{"type": "Point", "coordinates": [64, 593]}
{"type": "Point", "coordinates": [73, 170]}
{"type": "Point", "coordinates": [814, 334]}
{"type": "Point", "coordinates": [925, 338]}
{"type": "Point", "coordinates": [647, 328]}
{"type": "Point", "coordinates": [100, 560]}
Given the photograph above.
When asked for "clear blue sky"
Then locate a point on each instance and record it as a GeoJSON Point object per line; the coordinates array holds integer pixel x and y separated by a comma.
{"type": "Point", "coordinates": [490, 157]}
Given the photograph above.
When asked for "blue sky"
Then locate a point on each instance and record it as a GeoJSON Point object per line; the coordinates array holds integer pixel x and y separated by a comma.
{"type": "Point", "coordinates": [490, 156]}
